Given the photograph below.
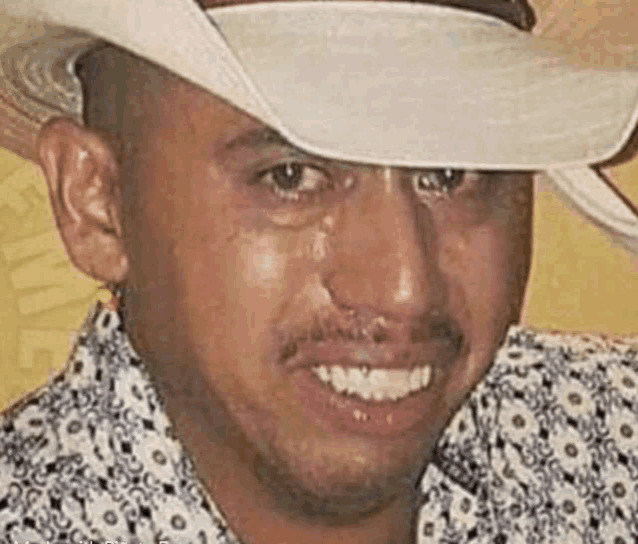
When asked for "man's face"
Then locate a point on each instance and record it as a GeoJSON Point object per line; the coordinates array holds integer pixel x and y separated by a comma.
{"type": "Point", "coordinates": [322, 319]}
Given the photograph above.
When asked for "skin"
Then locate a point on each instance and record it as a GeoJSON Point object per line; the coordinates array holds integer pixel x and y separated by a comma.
{"type": "Point", "coordinates": [218, 269]}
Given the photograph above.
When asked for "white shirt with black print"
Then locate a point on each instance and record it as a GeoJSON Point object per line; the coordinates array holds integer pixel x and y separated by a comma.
{"type": "Point", "coordinates": [91, 457]}
{"type": "Point", "coordinates": [544, 450]}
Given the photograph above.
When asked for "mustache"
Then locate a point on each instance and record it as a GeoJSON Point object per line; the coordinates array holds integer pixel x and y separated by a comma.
{"type": "Point", "coordinates": [435, 326]}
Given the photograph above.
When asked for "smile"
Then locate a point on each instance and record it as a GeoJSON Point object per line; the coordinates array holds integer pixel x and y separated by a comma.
{"type": "Point", "coordinates": [377, 384]}
{"type": "Point", "coordinates": [381, 384]}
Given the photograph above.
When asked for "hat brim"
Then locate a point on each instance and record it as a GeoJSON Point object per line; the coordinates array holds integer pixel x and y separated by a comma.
{"type": "Point", "coordinates": [424, 85]}
{"type": "Point", "coordinates": [379, 82]}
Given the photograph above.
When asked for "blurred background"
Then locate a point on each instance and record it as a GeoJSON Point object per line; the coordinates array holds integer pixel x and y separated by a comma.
{"type": "Point", "coordinates": [579, 282]}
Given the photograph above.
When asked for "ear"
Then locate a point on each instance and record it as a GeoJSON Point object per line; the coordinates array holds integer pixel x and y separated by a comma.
{"type": "Point", "coordinates": [82, 174]}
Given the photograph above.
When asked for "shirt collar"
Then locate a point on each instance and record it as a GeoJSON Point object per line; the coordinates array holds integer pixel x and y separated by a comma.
{"type": "Point", "coordinates": [131, 448]}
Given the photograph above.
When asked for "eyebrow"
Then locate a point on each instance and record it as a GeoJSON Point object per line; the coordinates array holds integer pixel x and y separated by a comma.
{"type": "Point", "coordinates": [257, 138]}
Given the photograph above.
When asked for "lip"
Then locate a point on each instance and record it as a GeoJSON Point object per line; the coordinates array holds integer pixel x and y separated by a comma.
{"type": "Point", "coordinates": [355, 353]}
{"type": "Point", "coordinates": [340, 413]}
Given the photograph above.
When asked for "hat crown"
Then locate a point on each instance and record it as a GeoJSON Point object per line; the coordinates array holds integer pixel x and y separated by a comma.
{"type": "Point", "coordinates": [516, 12]}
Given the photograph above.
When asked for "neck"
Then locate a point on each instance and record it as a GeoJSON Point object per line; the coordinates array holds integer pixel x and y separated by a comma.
{"type": "Point", "coordinates": [255, 515]}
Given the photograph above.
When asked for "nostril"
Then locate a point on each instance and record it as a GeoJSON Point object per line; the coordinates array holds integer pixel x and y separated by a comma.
{"type": "Point", "coordinates": [440, 329]}
{"type": "Point", "coordinates": [288, 351]}
{"type": "Point", "coordinates": [435, 326]}
{"type": "Point", "coordinates": [317, 334]}
{"type": "Point", "coordinates": [379, 335]}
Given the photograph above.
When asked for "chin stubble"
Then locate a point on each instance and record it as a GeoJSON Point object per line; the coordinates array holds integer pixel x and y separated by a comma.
{"type": "Point", "coordinates": [290, 493]}
{"type": "Point", "coordinates": [338, 505]}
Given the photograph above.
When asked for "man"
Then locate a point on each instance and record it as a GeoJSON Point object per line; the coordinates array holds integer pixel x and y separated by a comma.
{"type": "Point", "coordinates": [313, 267]}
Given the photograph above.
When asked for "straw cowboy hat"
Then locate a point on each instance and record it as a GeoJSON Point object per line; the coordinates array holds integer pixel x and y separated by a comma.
{"type": "Point", "coordinates": [391, 83]}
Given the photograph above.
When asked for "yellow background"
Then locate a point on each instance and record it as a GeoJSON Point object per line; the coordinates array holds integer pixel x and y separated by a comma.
{"type": "Point", "coordinates": [579, 280]}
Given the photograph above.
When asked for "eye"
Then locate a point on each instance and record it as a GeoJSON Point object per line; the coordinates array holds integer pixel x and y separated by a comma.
{"type": "Point", "coordinates": [292, 180]}
{"type": "Point", "coordinates": [437, 182]}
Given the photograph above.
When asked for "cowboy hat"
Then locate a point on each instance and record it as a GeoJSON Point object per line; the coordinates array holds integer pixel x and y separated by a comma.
{"type": "Point", "coordinates": [389, 83]}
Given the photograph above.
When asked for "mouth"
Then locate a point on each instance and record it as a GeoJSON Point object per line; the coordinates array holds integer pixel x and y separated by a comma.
{"type": "Point", "coordinates": [381, 389]}
{"type": "Point", "coordinates": [378, 385]}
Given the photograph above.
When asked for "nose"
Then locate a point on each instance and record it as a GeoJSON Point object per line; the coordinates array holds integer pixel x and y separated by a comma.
{"type": "Point", "coordinates": [384, 250]}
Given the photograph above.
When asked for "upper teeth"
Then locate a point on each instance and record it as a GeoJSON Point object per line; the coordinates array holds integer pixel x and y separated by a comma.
{"type": "Point", "coordinates": [378, 384]}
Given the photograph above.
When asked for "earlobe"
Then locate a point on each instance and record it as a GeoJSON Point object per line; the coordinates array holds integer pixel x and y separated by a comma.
{"type": "Point", "coordinates": [82, 174]}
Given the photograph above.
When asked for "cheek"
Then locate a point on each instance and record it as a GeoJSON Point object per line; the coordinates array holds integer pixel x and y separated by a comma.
{"type": "Point", "coordinates": [486, 264]}
{"type": "Point", "coordinates": [254, 280]}
{"type": "Point", "coordinates": [277, 261]}
{"type": "Point", "coordinates": [486, 255]}
{"type": "Point", "coordinates": [474, 269]}
{"type": "Point", "coordinates": [257, 269]}
{"type": "Point", "coordinates": [483, 268]}
{"type": "Point", "coordinates": [261, 263]}
{"type": "Point", "coordinates": [239, 288]}
{"type": "Point", "coordinates": [473, 258]}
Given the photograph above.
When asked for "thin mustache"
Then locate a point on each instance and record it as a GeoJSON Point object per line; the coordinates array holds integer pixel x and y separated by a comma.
{"type": "Point", "coordinates": [426, 329]}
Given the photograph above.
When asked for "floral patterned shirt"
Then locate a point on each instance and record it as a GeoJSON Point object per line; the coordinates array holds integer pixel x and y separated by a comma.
{"type": "Point", "coordinates": [542, 451]}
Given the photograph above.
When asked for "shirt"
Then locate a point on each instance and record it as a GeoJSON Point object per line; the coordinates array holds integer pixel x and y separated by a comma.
{"type": "Point", "coordinates": [543, 450]}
